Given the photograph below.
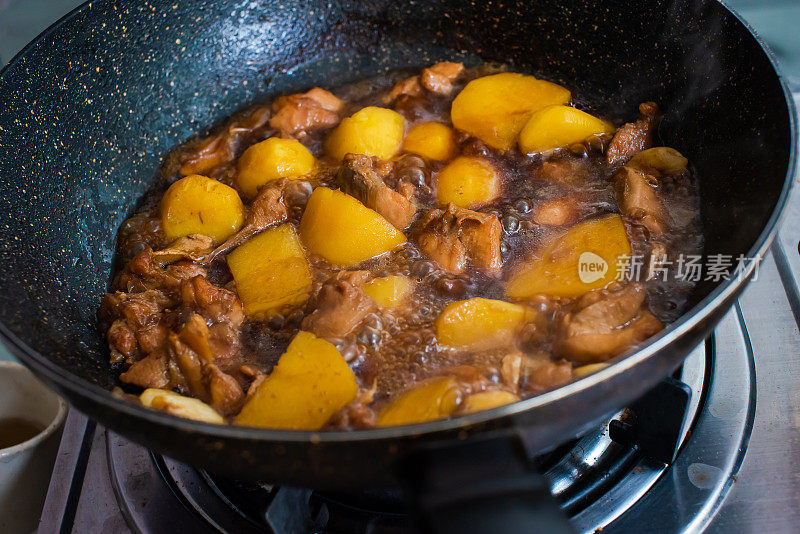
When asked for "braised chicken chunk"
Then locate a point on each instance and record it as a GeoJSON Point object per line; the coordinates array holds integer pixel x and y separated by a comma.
{"type": "Point", "coordinates": [604, 323]}
{"type": "Point", "coordinates": [297, 115]}
{"type": "Point", "coordinates": [637, 198]}
{"type": "Point", "coordinates": [341, 306]}
{"type": "Point", "coordinates": [437, 79]}
{"type": "Point", "coordinates": [359, 176]}
{"type": "Point", "coordinates": [413, 247]}
{"type": "Point", "coordinates": [455, 235]}
{"type": "Point", "coordinates": [633, 137]}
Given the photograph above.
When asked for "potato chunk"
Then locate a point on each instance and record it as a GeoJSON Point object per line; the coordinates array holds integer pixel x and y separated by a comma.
{"type": "Point", "coordinates": [495, 108]}
{"type": "Point", "coordinates": [431, 140]}
{"type": "Point", "coordinates": [310, 383]}
{"type": "Point", "coordinates": [342, 230]}
{"type": "Point", "coordinates": [433, 399]}
{"type": "Point", "coordinates": [175, 404]}
{"type": "Point", "coordinates": [559, 126]}
{"type": "Point", "coordinates": [486, 400]}
{"type": "Point", "coordinates": [371, 131]}
{"type": "Point", "coordinates": [271, 271]}
{"type": "Point", "coordinates": [467, 182]}
{"type": "Point", "coordinates": [389, 291]}
{"type": "Point", "coordinates": [199, 205]}
{"type": "Point", "coordinates": [584, 258]}
{"type": "Point", "coordinates": [272, 159]}
{"type": "Point", "coordinates": [479, 323]}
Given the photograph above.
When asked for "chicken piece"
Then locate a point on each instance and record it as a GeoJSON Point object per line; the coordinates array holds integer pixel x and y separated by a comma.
{"type": "Point", "coordinates": [340, 306]}
{"type": "Point", "coordinates": [604, 323]}
{"type": "Point", "coordinates": [145, 272]}
{"type": "Point", "coordinates": [533, 373]}
{"type": "Point", "coordinates": [441, 243]}
{"type": "Point", "coordinates": [217, 344]}
{"type": "Point", "coordinates": [212, 152]}
{"type": "Point", "coordinates": [408, 87]}
{"type": "Point", "coordinates": [267, 210]}
{"type": "Point", "coordinates": [135, 323]}
{"type": "Point", "coordinates": [122, 341]}
{"type": "Point", "coordinates": [214, 303]}
{"type": "Point", "coordinates": [633, 137]}
{"type": "Point", "coordinates": [195, 334]}
{"type": "Point", "coordinates": [224, 392]}
{"type": "Point", "coordinates": [357, 413]}
{"type": "Point", "coordinates": [549, 375]}
{"type": "Point", "coordinates": [190, 366]}
{"type": "Point", "coordinates": [637, 198]}
{"type": "Point", "coordinates": [203, 379]}
{"type": "Point", "coordinates": [220, 148]}
{"type": "Point", "coordinates": [480, 233]}
{"type": "Point", "coordinates": [137, 309]}
{"type": "Point", "coordinates": [149, 372]}
{"type": "Point", "coordinates": [566, 171]}
{"type": "Point", "coordinates": [439, 78]}
{"type": "Point", "coordinates": [297, 115]}
{"type": "Point", "coordinates": [151, 338]}
{"type": "Point", "coordinates": [191, 247]}
{"type": "Point", "coordinates": [556, 211]}
{"type": "Point", "coordinates": [360, 177]}
{"type": "Point", "coordinates": [470, 378]}
{"type": "Point", "coordinates": [451, 236]}
{"type": "Point", "coordinates": [223, 339]}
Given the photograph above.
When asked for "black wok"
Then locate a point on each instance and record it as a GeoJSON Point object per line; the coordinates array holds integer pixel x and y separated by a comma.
{"type": "Point", "coordinates": [90, 108]}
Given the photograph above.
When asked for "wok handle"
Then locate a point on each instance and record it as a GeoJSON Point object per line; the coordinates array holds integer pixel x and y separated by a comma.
{"type": "Point", "coordinates": [480, 487]}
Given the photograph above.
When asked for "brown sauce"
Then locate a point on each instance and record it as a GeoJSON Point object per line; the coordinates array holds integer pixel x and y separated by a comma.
{"type": "Point", "coordinates": [14, 430]}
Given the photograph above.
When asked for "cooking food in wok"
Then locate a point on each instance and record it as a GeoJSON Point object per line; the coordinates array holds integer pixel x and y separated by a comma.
{"type": "Point", "coordinates": [403, 249]}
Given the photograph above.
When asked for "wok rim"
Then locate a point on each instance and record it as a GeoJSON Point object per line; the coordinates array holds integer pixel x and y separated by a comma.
{"type": "Point", "coordinates": [687, 321]}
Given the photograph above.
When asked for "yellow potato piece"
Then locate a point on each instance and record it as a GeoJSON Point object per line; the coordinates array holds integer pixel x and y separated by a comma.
{"type": "Point", "coordinates": [344, 231]}
{"type": "Point", "coordinates": [661, 159]}
{"type": "Point", "coordinates": [388, 291]}
{"type": "Point", "coordinates": [175, 404]}
{"type": "Point", "coordinates": [495, 108]}
{"type": "Point", "coordinates": [199, 205]}
{"type": "Point", "coordinates": [433, 399]}
{"type": "Point", "coordinates": [431, 140]}
{"type": "Point", "coordinates": [588, 256]}
{"type": "Point", "coordinates": [467, 182]}
{"type": "Point", "coordinates": [559, 126]}
{"type": "Point", "coordinates": [272, 159]}
{"type": "Point", "coordinates": [481, 323]}
{"type": "Point", "coordinates": [271, 271]}
{"type": "Point", "coordinates": [370, 131]}
{"type": "Point", "coordinates": [486, 400]}
{"type": "Point", "coordinates": [310, 383]}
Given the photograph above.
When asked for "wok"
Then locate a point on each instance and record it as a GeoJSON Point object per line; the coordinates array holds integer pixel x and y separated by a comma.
{"type": "Point", "coordinates": [93, 104]}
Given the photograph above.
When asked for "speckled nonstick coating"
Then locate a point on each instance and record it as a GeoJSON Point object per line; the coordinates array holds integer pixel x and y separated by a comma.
{"type": "Point", "coordinates": [89, 109]}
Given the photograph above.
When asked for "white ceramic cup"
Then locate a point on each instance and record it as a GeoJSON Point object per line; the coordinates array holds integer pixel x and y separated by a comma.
{"type": "Point", "coordinates": [25, 468]}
